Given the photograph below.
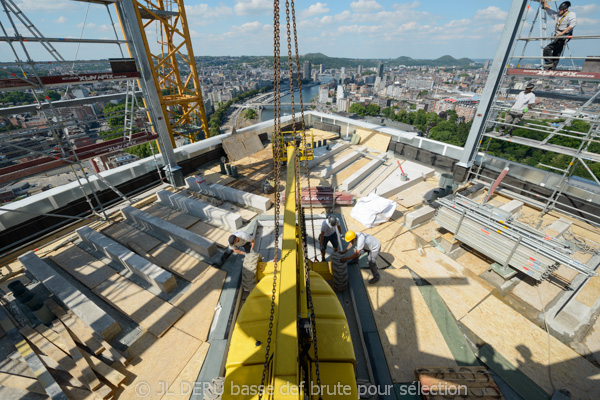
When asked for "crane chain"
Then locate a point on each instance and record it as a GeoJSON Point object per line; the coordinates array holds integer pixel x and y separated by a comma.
{"type": "Point", "coordinates": [300, 208]}
{"type": "Point", "coordinates": [277, 144]}
{"type": "Point", "coordinates": [310, 203]}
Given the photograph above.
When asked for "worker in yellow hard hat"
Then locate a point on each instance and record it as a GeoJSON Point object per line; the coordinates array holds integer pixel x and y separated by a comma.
{"type": "Point", "coordinates": [363, 243]}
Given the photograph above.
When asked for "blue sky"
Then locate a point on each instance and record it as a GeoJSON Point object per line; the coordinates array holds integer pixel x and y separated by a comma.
{"type": "Point", "coordinates": [357, 29]}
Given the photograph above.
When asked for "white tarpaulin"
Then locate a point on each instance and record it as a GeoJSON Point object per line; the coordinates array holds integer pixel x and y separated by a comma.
{"type": "Point", "coordinates": [373, 210]}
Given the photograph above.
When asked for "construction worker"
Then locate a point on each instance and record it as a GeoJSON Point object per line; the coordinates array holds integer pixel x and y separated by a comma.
{"type": "Point", "coordinates": [238, 239]}
{"type": "Point", "coordinates": [520, 107]}
{"type": "Point", "coordinates": [563, 28]}
{"type": "Point", "coordinates": [366, 243]}
{"type": "Point", "coordinates": [329, 235]}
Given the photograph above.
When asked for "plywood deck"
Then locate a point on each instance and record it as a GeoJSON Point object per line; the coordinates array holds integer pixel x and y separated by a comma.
{"type": "Point", "coordinates": [351, 169]}
{"type": "Point", "coordinates": [460, 288]}
{"type": "Point", "coordinates": [171, 215]}
{"type": "Point", "coordinates": [177, 262]}
{"type": "Point", "coordinates": [374, 140]}
{"type": "Point", "coordinates": [414, 195]}
{"type": "Point", "coordinates": [125, 233]}
{"type": "Point", "coordinates": [151, 312]}
{"type": "Point", "coordinates": [160, 362]}
{"type": "Point", "coordinates": [199, 303]}
{"type": "Point", "coordinates": [408, 332]}
{"type": "Point", "coordinates": [525, 345]}
{"type": "Point", "coordinates": [85, 268]}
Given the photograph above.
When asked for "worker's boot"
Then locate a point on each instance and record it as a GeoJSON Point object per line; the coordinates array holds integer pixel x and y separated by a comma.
{"type": "Point", "coordinates": [374, 271]}
{"type": "Point", "coordinates": [224, 258]}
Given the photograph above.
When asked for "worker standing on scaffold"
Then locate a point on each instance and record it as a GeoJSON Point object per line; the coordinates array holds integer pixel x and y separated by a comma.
{"type": "Point", "coordinates": [563, 29]}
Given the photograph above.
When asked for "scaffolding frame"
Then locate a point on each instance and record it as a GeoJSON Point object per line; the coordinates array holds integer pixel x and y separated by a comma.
{"type": "Point", "coordinates": [500, 82]}
{"type": "Point", "coordinates": [63, 152]}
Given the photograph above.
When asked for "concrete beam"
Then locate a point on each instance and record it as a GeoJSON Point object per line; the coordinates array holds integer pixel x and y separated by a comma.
{"type": "Point", "coordinates": [230, 194]}
{"type": "Point", "coordinates": [80, 304]}
{"type": "Point", "coordinates": [558, 227]}
{"type": "Point", "coordinates": [361, 174]}
{"type": "Point", "coordinates": [419, 216]}
{"type": "Point", "coordinates": [343, 163]}
{"type": "Point", "coordinates": [205, 211]}
{"type": "Point", "coordinates": [513, 206]}
{"type": "Point", "coordinates": [151, 273]}
{"type": "Point", "coordinates": [178, 237]}
{"type": "Point", "coordinates": [337, 148]}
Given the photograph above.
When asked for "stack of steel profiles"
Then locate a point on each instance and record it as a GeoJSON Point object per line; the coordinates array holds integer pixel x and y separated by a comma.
{"type": "Point", "coordinates": [507, 242]}
{"type": "Point", "coordinates": [493, 244]}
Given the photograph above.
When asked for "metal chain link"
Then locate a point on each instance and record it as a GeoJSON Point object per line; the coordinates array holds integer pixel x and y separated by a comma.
{"type": "Point", "coordinates": [310, 203]}
{"type": "Point", "coordinates": [301, 216]}
{"type": "Point", "coordinates": [277, 144]}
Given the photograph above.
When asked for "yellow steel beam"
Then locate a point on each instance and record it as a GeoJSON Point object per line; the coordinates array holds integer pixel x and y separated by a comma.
{"type": "Point", "coordinates": [285, 368]}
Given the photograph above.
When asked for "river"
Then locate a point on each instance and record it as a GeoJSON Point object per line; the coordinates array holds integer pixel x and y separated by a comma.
{"type": "Point", "coordinates": [308, 94]}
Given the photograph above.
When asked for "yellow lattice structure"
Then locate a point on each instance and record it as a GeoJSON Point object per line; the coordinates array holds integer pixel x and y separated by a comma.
{"type": "Point", "coordinates": [172, 59]}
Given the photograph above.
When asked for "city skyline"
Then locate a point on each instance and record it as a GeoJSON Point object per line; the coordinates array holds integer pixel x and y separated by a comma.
{"type": "Point", "coordinates": [370, 29]}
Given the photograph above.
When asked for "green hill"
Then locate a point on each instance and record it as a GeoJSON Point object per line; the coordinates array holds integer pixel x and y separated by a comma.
{"type": "Point", "coordinates": [443, 61]}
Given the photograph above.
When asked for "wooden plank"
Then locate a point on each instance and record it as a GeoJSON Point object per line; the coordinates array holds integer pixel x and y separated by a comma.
{"type": "Point", "coordinates": [184, 383]}
{"type": "Point", "coordinates": [184, 265]}
{"type": "Point", "coordinates": [10, 270]}
{"type": "Point", "coordinates": [171, 215]}
{"type": "Point", "coordinates": [124, 233]}
{"type": "Point", "coordinates": [199, 304]}
{"type": "Point", "coordinates": [114, 377]}
{"type": "Point", "coordinates": [174, 349]}
{"type": "Point", "coordinates": [409, 333]}
{"type": "Point", "coordinates": [374, 140]}
{"type": "Point", "coordinates": [63, 359]}
{"type": "Point", "coordinates": [525, 345]}
{"type": "Point", "coordinates": [52, 336]}
{"type": "Point", "coordinates": [83, 334]}
{"type": "Point", "coordinates": [89, 377]}
{"type": "Point", "coordinates": [151, 312]}
{"type": "Point", "coordinates": [75, 393]}
{"type": "Point", "coordinates": [21, 382]}
{"type": "Point", "coordinates": [82, 266]}
{"type": "Point", "coordinates": [33, 361]}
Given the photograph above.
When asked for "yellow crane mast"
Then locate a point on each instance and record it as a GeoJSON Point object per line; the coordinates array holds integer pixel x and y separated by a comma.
{"type": "Point", "coordinates": [179, 95]}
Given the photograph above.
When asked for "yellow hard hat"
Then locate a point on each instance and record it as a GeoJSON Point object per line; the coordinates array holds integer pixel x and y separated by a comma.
{"type": "Point", "coordinates": [350, 236]}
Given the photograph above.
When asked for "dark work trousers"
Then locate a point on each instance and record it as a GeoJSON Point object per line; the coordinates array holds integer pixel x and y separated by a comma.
{"type": "Point", "coordinates": [554, 49]}
{"type": "Point", "coordinates": [228, 251]}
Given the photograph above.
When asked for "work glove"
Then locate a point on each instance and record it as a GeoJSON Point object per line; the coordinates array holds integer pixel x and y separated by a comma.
{"type": "Point", "coordinates": [525, 109]}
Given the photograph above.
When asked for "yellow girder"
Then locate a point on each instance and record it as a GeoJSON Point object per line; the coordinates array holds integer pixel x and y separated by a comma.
{"type": "Point", "coordinates": [245, 361]}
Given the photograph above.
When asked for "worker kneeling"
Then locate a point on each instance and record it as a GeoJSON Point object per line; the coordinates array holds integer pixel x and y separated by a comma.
{"type": "Point", "coordinates": [366, 243]}
{"type": "Point", "coordinates": [239, 239]}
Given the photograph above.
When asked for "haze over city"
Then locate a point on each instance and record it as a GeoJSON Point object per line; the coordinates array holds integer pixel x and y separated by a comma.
{"type": "Point", "coordinates": [381, 29]}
